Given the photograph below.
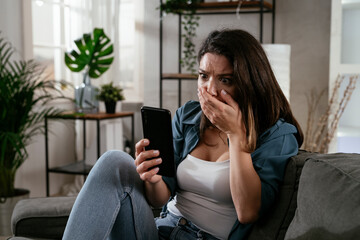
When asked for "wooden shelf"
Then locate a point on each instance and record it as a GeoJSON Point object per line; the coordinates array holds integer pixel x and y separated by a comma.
{"type": "Point", "coordinates": [231, 7]}
{"type": "Point", "coordinates": [73, 168]}
{"type": "Point", "coordinates": [176, 76]}
{"type": "Point", "coordinates": [247, 5]}
{"type": "Point", "coordinates": [91, 116]}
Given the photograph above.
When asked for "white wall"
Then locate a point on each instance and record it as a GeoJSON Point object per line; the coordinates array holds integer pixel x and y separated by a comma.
{"type": "Point", "coordinates": [306, 26]}
{"type": "Point", "coordinates": [11, 23]}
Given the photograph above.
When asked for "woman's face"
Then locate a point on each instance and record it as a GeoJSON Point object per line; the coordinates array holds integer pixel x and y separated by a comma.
{"type": "Point", "coordinates": [216, 74]}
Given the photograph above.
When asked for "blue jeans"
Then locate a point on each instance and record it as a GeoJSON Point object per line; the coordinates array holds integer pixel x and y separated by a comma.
{"type": "Point", "coordinates": [112, 205]}
{"type": "Point", "coordinates": [171, 226]}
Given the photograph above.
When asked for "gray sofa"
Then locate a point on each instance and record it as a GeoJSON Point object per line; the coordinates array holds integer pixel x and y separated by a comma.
{"type": "Point", "coordinates": [319, 199]}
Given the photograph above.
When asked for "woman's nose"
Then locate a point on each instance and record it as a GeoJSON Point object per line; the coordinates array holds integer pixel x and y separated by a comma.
{"type": "Point", "coordinates": [212, 88]}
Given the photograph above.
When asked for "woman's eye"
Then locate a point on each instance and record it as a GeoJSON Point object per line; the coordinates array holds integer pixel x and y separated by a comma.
{"type": "Point", "coordinates": [225, 80]}
{"type": "Point", "coordinates": [202, 75]}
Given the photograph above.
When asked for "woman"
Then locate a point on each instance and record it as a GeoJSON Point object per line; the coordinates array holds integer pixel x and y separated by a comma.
{"type": "Point", "coordinates": [231, 149]}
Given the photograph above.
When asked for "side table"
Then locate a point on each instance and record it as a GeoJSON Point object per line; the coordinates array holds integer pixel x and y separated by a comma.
{"type": "Point", "coordinates": [80, 167]}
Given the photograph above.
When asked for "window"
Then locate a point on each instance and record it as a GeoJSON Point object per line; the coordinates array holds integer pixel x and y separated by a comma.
{"type": "Point", "coordinates": [57, 23]}
{"type": "Point", "coordinates": [127, 26]}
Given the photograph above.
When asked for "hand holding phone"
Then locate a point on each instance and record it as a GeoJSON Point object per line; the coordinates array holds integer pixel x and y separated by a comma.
{"type": "Point", "coordinates": [157, 128]}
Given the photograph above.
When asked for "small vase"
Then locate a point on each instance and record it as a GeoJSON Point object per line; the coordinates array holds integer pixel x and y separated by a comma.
{"type": "Point", "coordinates": [110, 107]}
{"type": "Point", "coordinates": [85, 97]}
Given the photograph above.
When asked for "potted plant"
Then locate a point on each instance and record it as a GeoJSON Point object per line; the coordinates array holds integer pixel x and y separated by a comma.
{"type": "Point", "coordinates": [93, 58]}
{"type": "Point", "coordinates": [110, 94]}
{"type": "Point", "coordinates": [190, 22]}
{"type": "Point", "coordinates": [23, 98]}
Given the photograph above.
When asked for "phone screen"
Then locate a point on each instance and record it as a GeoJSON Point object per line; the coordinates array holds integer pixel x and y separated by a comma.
{"type": "Point", "coordinates": [157, 128]}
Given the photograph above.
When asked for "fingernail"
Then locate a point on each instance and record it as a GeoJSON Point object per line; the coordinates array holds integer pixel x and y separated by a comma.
{"type": "Point", "coordinates": [158, 160]}
{"type": "Point", "coordinates": [223, 92]}
{"type": "Point", "coordinates": [155, 152]}
{"type": "Point", "coordinates": [156, 170]}
{"type": "Point", "coordinates": [146, 141]}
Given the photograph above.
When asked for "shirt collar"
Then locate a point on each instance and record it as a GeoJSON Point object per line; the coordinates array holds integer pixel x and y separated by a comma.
{"type": "Point", "coordinates": [194, 119]}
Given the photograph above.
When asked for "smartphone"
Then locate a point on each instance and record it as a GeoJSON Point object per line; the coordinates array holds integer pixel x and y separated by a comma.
{"type": "Point", "coordinates": [157, 128]}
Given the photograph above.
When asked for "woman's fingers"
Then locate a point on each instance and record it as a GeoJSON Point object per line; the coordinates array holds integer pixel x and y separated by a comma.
{"type": "Point", "coordinates": [146, 162]}
{"type": "Point", "coordinates": [228, 99]}
{"type": "Point", "coordinates": [207, 101]}
{"type": "Point", "coordinates": [140, 146]}
{"type": "Point", "coordinates": [150, 175]}
{"type": "Point", "coordinates": [212, 107]}
{"type": "Point", "coordinates": [145, 165]}
{"type": "Point", "coordinates": [148, 170]}
{"type": "Point", "coordinates": [224, 114]}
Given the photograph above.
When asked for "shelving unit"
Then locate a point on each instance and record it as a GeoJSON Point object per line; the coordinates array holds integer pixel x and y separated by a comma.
{"type": "Point", "coordinates": [80, 167]}
{"type": "Point", "coordinates": [260, 7]}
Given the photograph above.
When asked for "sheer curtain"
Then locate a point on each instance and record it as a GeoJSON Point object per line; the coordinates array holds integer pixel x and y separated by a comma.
{"type": "Point", "coordinates": [82, 17]}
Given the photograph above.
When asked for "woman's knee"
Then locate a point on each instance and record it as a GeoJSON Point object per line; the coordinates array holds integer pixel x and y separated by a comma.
{"type": "Point", "coordinates": [115, 160]}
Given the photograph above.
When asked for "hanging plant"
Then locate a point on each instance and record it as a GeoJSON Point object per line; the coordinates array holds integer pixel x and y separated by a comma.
{"type": "Point", "coordinates": [190, 22]}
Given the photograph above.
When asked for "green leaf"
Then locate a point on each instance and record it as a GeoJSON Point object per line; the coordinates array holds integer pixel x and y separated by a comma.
{"type": "Point", "coordinates": [24, 94]}
{"type": "Point", "coordinates": [91, 52]}
{"type": "Point", "coordinates": [105, 61]}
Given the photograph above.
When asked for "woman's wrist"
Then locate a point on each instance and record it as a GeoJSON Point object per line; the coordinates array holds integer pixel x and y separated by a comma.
{"type": "Point", "coordinates": [157, 193]}
{"type": "Point", "coordinates": [238, 139]}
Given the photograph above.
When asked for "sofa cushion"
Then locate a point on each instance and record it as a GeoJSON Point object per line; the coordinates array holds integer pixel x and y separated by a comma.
{"type": "Point", "coordinates": [328, 204]}
{"type": "Point", "coordinates": [275, 223]}
{"type": "Point", "coordinates": [41, 217]}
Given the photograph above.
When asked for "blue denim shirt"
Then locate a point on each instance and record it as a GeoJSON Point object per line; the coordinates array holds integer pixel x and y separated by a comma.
{"type": "Point", "coordinates": [274, 147]}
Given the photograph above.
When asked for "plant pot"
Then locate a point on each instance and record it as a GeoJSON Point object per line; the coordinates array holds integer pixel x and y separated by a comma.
{"type": "Point", "coordinates": [110, 107]}
{"type": "Point", "coordinates": [7, 206]}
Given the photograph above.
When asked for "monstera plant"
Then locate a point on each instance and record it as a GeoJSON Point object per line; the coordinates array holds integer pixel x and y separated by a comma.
{"type": "Point", "coordinates": [93, 58]}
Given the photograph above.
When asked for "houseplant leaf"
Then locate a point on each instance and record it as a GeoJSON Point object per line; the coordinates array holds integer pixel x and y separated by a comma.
{"type": "Point", "coordinates": [93, 55]}
{"type": "Point", "coordinates": [24, 93]}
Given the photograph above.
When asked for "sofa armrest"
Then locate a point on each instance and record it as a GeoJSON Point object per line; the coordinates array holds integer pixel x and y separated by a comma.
{"type": "Point", "coordinates": [41, 217]}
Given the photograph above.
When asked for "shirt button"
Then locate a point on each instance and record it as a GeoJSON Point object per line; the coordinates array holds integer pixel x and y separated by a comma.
{"type": "Point", "coordinates": [182, 221]}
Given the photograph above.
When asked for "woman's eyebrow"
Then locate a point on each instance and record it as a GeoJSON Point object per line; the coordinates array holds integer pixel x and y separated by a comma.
{"type": "Point", "coordinates": [231, 74]}
{"type": "Point", "coordinates": [226, 74]}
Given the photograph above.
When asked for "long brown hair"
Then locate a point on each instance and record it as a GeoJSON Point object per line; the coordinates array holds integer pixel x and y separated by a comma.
{"type": "Point", "coordinates": [258, 94]}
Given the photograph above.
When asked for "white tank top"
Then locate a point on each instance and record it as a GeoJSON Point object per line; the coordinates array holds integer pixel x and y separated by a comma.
{"type": "Point", "coordinates": [204, 196]}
